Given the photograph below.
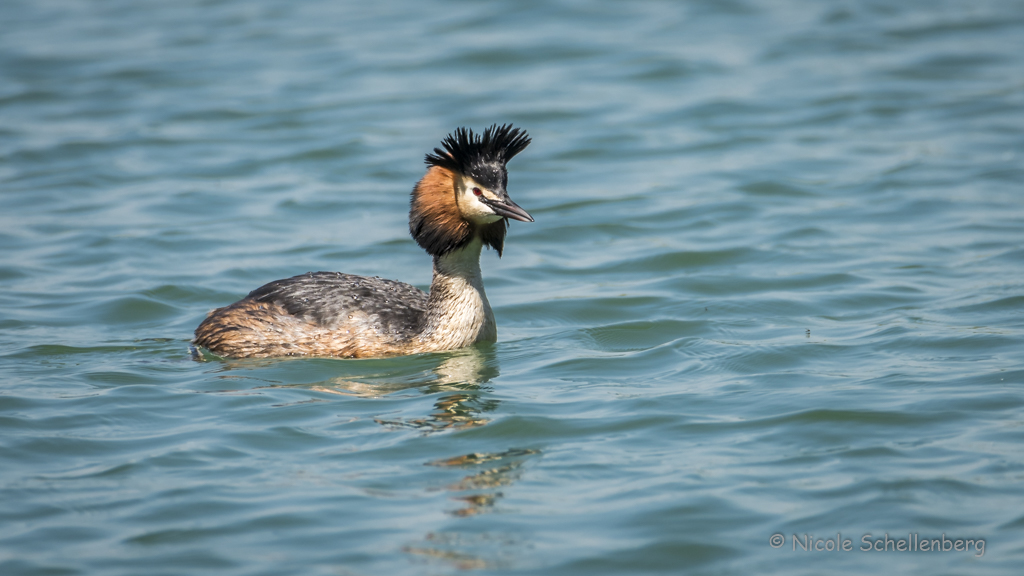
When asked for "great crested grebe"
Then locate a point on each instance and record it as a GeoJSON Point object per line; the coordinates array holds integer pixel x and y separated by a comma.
{"type": "Point", "coordinates": [458, 206]}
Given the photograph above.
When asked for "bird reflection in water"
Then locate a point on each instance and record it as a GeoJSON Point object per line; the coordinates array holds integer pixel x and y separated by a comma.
{"type": "Point", "coordinates": [463, 373]}
{"type": "Point", "coordinates": [460, 378]}
{"type": "Point", "coordinates": [478, 493]}
{"type": "Point", "coordinates": [503, 470]}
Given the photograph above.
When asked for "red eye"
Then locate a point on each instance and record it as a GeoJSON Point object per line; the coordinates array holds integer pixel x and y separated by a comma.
{"type": "Point", "coordinates": [477, 192]}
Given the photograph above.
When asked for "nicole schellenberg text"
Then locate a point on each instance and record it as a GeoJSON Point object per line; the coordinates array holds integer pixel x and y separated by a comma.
{"type": "Point", "coordinates": [868, 543]}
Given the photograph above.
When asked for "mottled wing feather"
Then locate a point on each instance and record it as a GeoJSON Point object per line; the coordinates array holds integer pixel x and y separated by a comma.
{"type": "Point", "coordinates": [328, 299]}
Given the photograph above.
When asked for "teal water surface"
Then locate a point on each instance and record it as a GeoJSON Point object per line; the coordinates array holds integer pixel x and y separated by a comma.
{"type": "Point", "coordinates": [774, 287]}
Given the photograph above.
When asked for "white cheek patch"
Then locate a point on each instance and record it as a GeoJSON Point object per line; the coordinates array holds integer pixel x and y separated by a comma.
{"type": "Point", "coordinates": [470, 205]}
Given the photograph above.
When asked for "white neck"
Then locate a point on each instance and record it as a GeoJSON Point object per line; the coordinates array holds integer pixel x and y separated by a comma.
{"type": "Point", "coordinates": [458, 313]}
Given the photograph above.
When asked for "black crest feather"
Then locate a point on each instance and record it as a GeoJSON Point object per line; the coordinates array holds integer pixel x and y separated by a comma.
{"type": "Point", "coordinates": [466, 152]}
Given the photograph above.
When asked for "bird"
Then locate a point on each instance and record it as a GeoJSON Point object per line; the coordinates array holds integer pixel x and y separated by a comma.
{"type": "Point", "coordinates": [459, 206]}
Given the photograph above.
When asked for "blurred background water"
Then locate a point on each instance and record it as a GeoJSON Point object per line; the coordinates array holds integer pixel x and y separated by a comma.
{"type": "Point", "coordinates": [775, 286]}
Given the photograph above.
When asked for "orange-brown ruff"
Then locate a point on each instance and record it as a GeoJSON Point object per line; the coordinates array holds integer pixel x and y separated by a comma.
{"type": "Point", "coordinates": [459, 206]}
